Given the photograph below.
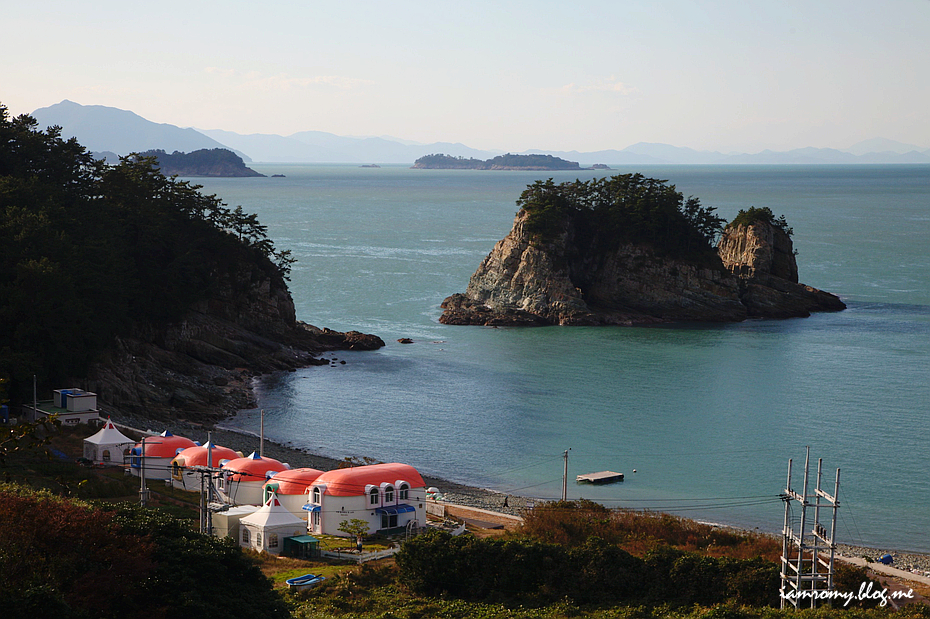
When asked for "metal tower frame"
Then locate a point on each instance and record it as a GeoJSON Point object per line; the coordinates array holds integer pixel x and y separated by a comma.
{"type": "Point", "coordinates": [804, 567]}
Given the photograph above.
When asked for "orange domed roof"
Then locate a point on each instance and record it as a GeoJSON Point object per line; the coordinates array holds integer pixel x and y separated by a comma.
{"type": "Point", "coordinates": [164, 445]}
{"type": "Point", "coordinates": [253, 467]}
{"type": "Point", "coordinates": [294, 481]}
{"type": "Point", "coordinates": [352, 481]}
{"type": "Point", "coordinates": [197, 455]}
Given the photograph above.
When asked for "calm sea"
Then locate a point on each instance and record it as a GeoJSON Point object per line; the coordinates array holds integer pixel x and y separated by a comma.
{"type": "Point", "coordinates": [708, 415]}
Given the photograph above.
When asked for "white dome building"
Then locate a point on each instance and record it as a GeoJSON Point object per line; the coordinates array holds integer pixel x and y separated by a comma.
{"type": "Point", "coordinates": [244, 479]}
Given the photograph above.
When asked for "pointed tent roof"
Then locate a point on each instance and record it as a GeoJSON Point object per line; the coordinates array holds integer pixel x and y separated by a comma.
{"type": "Point", "coordinates": [108, 435]}
{"type": "Point", "coordinates": [272, 514]}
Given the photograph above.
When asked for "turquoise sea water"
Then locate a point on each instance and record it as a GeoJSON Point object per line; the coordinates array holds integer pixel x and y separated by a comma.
{"type": "Point", "coordinates": [708, 415]}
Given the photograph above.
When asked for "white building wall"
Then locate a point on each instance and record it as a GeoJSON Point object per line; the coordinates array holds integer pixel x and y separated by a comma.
{"type": "Point", "coordinates": [294, 504]}
{"type": "Point", "coordinates": [270, 540]}
{"type": "Point", "coordinates": [155, 468]}
{"type": "Point", "coordinates": [246, 492]}
{"type": "Point", "coordinates": [335, 509]}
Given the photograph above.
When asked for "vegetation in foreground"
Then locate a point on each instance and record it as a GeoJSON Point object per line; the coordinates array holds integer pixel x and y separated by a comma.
{"type": "Point", "coordinates": [65, 558]}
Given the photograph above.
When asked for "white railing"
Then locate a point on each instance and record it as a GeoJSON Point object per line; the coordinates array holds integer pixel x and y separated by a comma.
{"type": "Point", "coordinates": [360, 557]}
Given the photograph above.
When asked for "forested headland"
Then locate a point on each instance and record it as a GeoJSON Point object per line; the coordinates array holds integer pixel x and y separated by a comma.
{"type": "Point", "coordinates": [89, 252]}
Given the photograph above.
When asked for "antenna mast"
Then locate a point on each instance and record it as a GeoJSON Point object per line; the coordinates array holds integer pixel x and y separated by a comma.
{"type": "Point", "coordinates": [808, 549]}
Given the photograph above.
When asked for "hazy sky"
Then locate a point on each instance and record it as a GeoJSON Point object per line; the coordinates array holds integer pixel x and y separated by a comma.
{"type": "Point", "coordinates": [730, 76]}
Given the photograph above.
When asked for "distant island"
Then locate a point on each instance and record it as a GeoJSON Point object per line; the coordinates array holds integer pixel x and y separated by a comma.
{"type": "Point", "coordinates": [501, 162]}
{"type": "Point", "coordinates": [216, 162]}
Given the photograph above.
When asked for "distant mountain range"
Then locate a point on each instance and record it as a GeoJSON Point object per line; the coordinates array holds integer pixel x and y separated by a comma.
{"type": "Point", "coordinates": [103, 129]}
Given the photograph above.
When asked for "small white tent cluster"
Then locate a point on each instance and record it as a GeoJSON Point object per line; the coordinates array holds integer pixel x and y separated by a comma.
{"type": "Point", "coordinates": [107, 446]}
{"type": "Point", "coordinates": [266, 528]}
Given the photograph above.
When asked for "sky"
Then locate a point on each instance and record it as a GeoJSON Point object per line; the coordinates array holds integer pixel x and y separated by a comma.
{"type": "Point", "coordinates": [728, 76]}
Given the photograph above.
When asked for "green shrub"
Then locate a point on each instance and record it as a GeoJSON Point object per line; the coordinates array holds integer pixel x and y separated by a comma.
{"type": "Point", "coordinates": [764, 214]}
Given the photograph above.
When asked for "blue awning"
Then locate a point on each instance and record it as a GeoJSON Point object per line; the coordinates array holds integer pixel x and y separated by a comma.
{"type": "Point", "coordinates": [401, 508]}
{"type": "Point", "coordinates": [309, 507]}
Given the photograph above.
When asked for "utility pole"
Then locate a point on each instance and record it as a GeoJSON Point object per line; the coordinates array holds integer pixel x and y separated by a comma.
{"type": "Point", "coordinates": [565, 476]}
{"type": "Point", "coordinates": [143, 491]}
{"type": "Point", "coordinates": [209, 497]}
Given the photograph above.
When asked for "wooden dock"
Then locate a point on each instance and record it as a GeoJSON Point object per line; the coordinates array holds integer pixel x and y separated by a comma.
{"type": "Point", "coordinates": [604, 477]}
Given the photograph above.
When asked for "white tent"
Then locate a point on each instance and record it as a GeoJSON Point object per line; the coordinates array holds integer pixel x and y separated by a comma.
{"type": "Point", "coordinates": [108, 445]}
{"type": "Point", "coordinates": [265, 529]}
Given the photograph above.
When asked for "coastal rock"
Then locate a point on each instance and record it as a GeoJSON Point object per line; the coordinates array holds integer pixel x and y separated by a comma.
{"type": "Point", "coordinates": [202, 366]}
{"type": "Point", "coordinates": [563, 282]}
{"type": "Point", "coordinates": [758, 249]}
{"type": "Point", "coordinates": [762, 257]}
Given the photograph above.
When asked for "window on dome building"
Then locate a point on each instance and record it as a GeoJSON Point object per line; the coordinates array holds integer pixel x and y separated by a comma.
{"type": "Point", "coordinates": [388, 494]}
{"type": "Point", "coordinates": [316, 496]}
{"type": "Point", "coordinates": [403, 492]}
{"type": "Point", "coordinates": [373, 500]}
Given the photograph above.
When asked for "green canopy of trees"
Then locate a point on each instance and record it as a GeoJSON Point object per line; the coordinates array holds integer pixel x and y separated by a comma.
{"type": "Point", "coordinates": [624, 208]}
{"type": "Point", "coordinates": [87, 251]}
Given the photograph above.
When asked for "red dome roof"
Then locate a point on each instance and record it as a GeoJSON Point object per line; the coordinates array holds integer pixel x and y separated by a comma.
{"type": "Point", "coordinates": [352, 481]}
{"type": "Point", "coordinates": [253, 467]}
{"type": "Point", "coordinates": [294, 481]}
{"type": "Point", "coordinates": [165, 445]}
{"type": "Point", "coordinates": [197, 455]}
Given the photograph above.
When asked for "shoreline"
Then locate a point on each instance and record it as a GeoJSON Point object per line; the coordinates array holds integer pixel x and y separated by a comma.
{"type": "Point", "coordinates": [453, 492]}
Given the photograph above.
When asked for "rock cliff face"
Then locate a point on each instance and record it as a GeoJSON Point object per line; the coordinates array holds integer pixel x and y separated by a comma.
{"type": "Point", "coordinates": [201, 368]}
{"type": "Point", "coordinates": [762, 257]}
{"type": "Point", "coordinates": [523, 282]}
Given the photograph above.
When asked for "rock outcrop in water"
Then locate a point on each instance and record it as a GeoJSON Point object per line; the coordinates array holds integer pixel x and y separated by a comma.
{"type": "Point", "coordinates": [762, 256]}
{"type": "Point", "coordinates": [568, 281]}
{"type": "Point", "coordinates": [201, 368]}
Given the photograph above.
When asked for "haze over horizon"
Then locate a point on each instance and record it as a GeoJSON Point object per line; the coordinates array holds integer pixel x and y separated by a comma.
{"type": "Point", "coordinates": [716, 76]}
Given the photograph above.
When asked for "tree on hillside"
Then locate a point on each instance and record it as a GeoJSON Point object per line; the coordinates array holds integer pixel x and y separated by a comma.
{"type": "Point", "coordinates": [89, 252]}
{"type": "Point", "coordinates": [355, 527]}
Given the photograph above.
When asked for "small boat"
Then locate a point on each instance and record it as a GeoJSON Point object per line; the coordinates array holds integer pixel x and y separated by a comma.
{"type": "Point", "coordinates": [307, 581]}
